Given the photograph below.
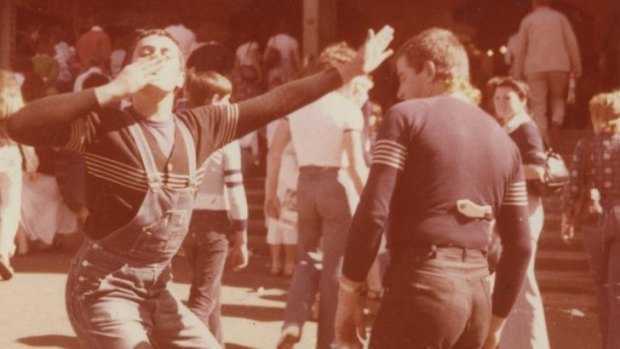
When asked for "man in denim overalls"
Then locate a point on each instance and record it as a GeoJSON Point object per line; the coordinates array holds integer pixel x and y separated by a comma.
{"type": "Point", "coordinates": [141, 177]}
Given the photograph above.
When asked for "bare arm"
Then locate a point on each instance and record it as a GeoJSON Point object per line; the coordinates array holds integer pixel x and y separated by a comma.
{"type": "Point", "coordinates": [357, 166]}
{"type": "Point", "coordinates": [274, 160]}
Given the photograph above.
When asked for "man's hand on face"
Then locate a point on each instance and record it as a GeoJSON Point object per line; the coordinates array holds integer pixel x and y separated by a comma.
{"type": "Point", "coordinates": [137, 75]}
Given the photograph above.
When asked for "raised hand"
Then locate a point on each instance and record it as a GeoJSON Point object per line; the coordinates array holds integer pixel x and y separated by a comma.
{"type": "Point", "coordinates": [370, 56]}
{"type": "Point", "coordinates": [375, 51]}
{"type": "Point", "coordinates": [138, 74]}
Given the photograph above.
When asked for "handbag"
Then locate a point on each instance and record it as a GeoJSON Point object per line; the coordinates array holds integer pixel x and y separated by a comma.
{"type": "Point", "coordinates": [586, 208]}
{"type": "Point", "coordinates": [556, 174]}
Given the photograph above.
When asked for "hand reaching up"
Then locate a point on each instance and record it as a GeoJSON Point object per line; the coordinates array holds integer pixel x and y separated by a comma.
{"type": "Point", "coordinates": [370, 56]}
{"type": "Point", "coordinates": [375, 50]}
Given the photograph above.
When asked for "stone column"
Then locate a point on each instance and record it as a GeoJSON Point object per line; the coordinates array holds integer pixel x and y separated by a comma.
{"type": "Point", "coordinates": [319, 26]}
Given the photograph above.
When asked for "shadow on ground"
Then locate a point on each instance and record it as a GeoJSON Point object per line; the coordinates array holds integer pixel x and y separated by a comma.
{"type": "Point", "coordinates": [262, 313]}
{"type": "Point", "coordinates": [256, 275]}
{"type": "Point", "coordinates": [51, 341]}
{"type": "Point", "coordinates": [237, 346]}
{"type": "Point", "coordinates": [40, 262]}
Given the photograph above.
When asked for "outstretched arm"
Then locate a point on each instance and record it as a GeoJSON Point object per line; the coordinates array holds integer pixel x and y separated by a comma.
{"type": "Point", "coordinates": [259, 111]}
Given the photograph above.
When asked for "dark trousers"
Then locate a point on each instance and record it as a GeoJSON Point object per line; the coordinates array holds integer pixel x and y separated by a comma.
{"type": "Point", "coordinates": [206, 250]}
{"type": "Point", "coordinates": [434, 299]}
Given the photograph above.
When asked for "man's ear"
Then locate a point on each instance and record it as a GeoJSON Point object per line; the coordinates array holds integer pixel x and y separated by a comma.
{"type": "Point", "coordinates": [181, 80]}
{"type": "Point", "coordinates": [215, 99]}
{"type": "Point", "coordinates": [430, 70]}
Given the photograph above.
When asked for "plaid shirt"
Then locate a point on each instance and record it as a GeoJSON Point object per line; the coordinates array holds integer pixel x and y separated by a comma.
{"type": "Point", "coordinates": [604, 169]}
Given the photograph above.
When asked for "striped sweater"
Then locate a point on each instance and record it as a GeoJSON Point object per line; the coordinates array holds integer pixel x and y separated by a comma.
{"type": "Point", "coordinates": [116, 181]}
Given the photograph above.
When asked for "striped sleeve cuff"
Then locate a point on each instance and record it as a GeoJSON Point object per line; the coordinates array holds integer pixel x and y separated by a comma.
{"type": "Point", "coordinates": [389, 153]}
{"type": "Point", "coordinates": [516, 195]}
{"type": "Point", "coordinates": [228, 128]}
{"type": "Point", "coordinates": [78, 135]}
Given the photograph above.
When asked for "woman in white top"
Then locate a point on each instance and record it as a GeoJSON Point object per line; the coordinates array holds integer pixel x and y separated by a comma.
{"type": "Point", "coordinates": [332, 172]}
{"type": "Point", "coordinates": [10, 174]}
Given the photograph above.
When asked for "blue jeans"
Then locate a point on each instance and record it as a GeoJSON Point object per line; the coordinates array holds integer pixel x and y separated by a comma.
{"type": "Point", "coordinates": [435, 298]}
{"type": "Point", "coordinates": [206, 248]}
{"type": "Point", "coordinates": [602, 243]}
{"type": "Point", "coordinates": [324, 208]}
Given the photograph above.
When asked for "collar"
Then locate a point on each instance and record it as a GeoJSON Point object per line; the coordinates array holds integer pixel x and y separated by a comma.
{"type": "Point", "coordinates": [516, 122]}
{"type": "Point", "coordinates": [542, 8]}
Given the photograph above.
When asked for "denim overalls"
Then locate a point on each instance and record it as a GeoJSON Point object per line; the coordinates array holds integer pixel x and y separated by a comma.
{"type": "Point", "coordinates": [116, 293]}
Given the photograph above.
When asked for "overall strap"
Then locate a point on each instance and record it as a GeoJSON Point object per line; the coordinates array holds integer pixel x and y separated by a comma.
{"type": "Point", "coordinates": [153, 176]}
{"type": "Point", "coordinates": [190, 147]}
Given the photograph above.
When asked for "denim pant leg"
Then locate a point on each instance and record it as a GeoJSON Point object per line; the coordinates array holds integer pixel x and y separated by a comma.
{"type": "Point", "coordinates": [595, 246]}
{"type": "Point", "coordinates": [612, 230]}
{"type": "Point", "coordinates": [102, 315]}
{"type": "Point", "coordinates": [558, 91]}
{"type": "Point", "coordinates": [336, 213]}
{"type": "Point", "coordinates": [177, 327]}
{"type": "Point", "coordinates": [526, 326]}
{"type": "Point", "coordinates": [433, 304]}
{"type": "Point", "coordinates": [207, 255]}
{"type": "Point", "coordinates": [305, 283]}
{"type": "Point", "coordinates": [539, 90]}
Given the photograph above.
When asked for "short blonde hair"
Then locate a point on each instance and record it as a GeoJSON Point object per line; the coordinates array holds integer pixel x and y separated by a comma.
{"type": "Point", "coordinates": [10, 102]}
{"type": "Point", "coordinates": [10, 94]}
{"type": "Point", "coordinates": [605, 112]}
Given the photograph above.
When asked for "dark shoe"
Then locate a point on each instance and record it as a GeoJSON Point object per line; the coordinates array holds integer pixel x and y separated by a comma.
{"type": "Point", "coordinates": [6, 271]}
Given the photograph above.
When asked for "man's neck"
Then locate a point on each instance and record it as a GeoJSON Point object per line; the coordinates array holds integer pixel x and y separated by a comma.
{"type": "Point", "coordinates": [154, 107]}
{"type": "Point", "coordinates": [437, 89]}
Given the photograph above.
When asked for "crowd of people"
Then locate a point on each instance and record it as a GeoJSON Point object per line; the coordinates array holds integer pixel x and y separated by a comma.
{"type": "Point", "coordinates": [139, 147]}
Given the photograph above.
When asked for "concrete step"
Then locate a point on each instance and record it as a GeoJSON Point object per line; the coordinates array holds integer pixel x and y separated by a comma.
{"type": "Point", "coordinates": [562, 261]}
{"type": "Point", "coordinates": [573, 282]}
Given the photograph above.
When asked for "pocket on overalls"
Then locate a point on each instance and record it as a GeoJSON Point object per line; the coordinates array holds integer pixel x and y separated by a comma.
{"type": "Point", "coordinates": [91, 279]}
{"type": "Point", "coordinates": [164, 234]}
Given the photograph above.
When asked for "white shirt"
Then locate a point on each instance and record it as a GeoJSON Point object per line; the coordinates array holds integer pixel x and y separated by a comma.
{"type": "Point", "coordinates": [222, 173]}
{"type": "Point", "coordinates": [64, 52]}
{"type": "Point", "coordinates": [546, 42]}
{"type": "Point", "coordinates": [287, 46]}
{"type": "Point", "coordinates": [244, 53]}
{"type": "Point", "coordinates": [317, 130]}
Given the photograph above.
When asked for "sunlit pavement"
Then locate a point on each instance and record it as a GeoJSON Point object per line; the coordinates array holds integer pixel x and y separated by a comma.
{"type": "Point", "coordinates": [32, 313]}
